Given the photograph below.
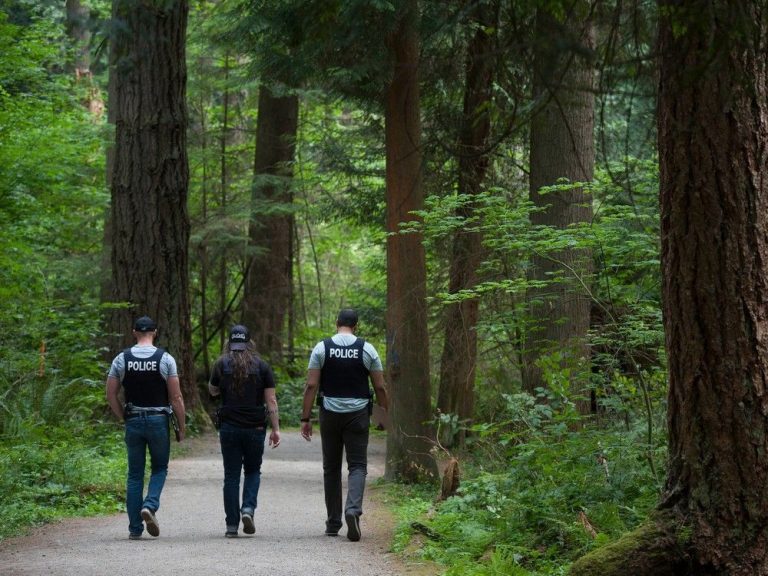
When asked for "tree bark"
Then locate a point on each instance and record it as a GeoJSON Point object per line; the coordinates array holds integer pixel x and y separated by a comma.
{"type": "Point", "coordinates": [150, 223]}
{"type": "Point", "coordinates": [408, 441]}
{"type": "Point", "coordinates": [713, 138]}
{"type": "Point", "coordinates": [459, 358]}
{"type": "Point", "coordinates": [562, 147]}
{"type": "Point", "coordinates": [270, 275]}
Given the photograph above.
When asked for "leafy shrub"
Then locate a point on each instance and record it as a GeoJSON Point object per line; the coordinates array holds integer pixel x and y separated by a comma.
{"type": "Point", "coordinates": [537, 494]}
{"type": "Point", "coordinates": [60, 474]}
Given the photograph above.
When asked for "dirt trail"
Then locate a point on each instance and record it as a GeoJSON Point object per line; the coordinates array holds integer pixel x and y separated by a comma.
{"type": "Point", "coordinates": [289, 537]}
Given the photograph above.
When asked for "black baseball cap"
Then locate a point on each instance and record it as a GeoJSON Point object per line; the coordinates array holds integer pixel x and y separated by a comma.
{"type": "Point", "coordinates": [144, 324]}
{"type": "Point", "coordinates": [239, 337]}
{"type": "Point", "coordinates": [347, 317]}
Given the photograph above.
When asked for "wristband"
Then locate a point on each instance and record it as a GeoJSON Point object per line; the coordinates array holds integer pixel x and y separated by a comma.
{"type": "Point", "coordinates": [304, 420]}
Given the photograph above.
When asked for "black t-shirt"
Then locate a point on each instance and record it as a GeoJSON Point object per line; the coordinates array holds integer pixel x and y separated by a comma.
{"type": "Point", "coordinates": [242, 406]}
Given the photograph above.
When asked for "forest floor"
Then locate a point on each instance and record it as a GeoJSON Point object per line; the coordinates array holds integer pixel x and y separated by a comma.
{"type": "Point", "coordinates": [289, 538]}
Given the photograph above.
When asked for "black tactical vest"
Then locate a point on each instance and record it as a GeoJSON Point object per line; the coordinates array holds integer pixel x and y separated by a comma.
{"type": "Point", "coordinates": [344, 374]}
{"type": "Point", "coordinates": [143, 383]}
{"type": "Point", "coordinates": [243, 407]}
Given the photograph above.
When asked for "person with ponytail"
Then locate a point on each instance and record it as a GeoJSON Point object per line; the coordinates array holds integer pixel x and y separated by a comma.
{"type": "Point", "coordinates": [246, 385]}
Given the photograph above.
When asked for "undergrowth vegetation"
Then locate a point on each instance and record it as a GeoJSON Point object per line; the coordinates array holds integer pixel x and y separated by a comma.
{"type": "Point", "coordinates": [59, 474]}
{"type": "Point", "coordinates": [533, 500]}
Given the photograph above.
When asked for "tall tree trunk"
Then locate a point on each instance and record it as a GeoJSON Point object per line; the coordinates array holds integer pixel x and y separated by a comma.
{"type": "Point", "coordinates": [270, 275]}
{"type": "Point", "coordinates": [223, 276]}
{"type": "Point", "coordinates": [204, 263]}
{"type": "Point", "coordinates": [713, 137]}
{"type": "Point", "coordinates": [150, 223]}
{"type": "Point", "coordinates": [562, 147]}
{"type": "Point", "coordinates": [459, 359]}
{"type": "Point", "coordinates": [223, 202]}
{"type": "Point", "coordinates": [408, 441]}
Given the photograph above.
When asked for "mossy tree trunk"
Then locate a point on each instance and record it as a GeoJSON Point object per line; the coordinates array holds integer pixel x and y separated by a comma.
{"type": "Point", "coordinates": [713, 144]}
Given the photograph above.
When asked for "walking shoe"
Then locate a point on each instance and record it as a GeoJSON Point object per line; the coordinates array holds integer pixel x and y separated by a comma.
{"type": "Point", "coordinates": [248, 526]}
{"type": "Point", "coordinates": [231, 532]}
{"type": "Point", "coordinates": [149, 519]}
{"type": "Point", "coordinates": [353, 527]}
{"type": "Point", "coordinates": [132, 536]}
{"type": "Point", "coordinates": [331, 528]}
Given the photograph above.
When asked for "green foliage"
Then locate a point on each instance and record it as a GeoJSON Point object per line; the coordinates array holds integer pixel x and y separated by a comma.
{"type": "Point", "coordinates": [52, 201]}
{"type": "Point", "coordinates": [290, 396]}
{"type": "Point", "coordinates": [624, 284]}
{"type": "Point", "coordinates": [534, 495]}
{"type": "Point", "coordinates": [38, 403]}
{"type": "Point", "coordinates": [60, 473]}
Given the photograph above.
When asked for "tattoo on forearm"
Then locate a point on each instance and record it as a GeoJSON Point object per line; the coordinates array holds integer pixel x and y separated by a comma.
{"type": "Point", "coordinates": [271, 411]}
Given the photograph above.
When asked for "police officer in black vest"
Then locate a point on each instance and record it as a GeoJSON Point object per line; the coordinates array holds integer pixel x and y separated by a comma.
{"type": "Point", "coordinates": [152, 391]}
{"type": "Point", "coordinates": [340, 368]}
{"type": "Point", "coordinates": [247, 388]}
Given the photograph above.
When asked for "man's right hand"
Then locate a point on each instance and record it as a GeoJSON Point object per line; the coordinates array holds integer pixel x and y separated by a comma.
{"type": "Point", "coordinates": [306, 431]}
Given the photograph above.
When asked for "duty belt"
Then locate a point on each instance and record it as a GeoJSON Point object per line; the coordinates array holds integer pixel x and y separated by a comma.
{"type": "Point", "coordinates": [131, 410]}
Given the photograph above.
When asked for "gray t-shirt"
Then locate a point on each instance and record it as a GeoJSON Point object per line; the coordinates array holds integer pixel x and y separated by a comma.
{"type": "Point", "coordinates": [370, 359]}
{"type": "Point", "coordinates": [167, 362]}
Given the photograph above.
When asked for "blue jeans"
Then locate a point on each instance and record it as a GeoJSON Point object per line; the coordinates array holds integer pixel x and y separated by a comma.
{"type": "Point", "coordinates": [142, 432]}
{"type": "Point", "coordinates": [242, 449]}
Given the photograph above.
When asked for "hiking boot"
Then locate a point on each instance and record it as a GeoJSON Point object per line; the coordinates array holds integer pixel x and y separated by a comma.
{"type": "Point", "coordinates": [149, 519]}
{"type": "Point", "coordinates": [248, 526]}
{"type": "Point", "coordinates": [353, 527]}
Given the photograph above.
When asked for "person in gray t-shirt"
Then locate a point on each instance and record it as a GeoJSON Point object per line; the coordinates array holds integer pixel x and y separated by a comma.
{"type": "Point", "coordinates": [340, 367]}
{"type": "Point", "coordinates": [151, 385]}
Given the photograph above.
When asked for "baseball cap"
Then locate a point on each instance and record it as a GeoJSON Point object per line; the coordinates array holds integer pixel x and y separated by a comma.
{"type": "Point", "coordinates": [239, 337]}
{"type": "Point", "coordinates": [144, 324]}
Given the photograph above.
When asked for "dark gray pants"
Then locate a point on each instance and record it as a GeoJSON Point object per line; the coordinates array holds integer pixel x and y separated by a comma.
{"type": "Point", "coordinates": [344, 432]}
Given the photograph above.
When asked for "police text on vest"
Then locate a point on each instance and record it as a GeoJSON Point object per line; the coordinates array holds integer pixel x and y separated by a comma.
{"type": "Point", "coordinates": [343, 352]}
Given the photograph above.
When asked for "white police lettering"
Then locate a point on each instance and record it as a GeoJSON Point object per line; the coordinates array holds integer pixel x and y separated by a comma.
{"type": "Point", "coordinates": [344, 352]}
{"type": "Point", "coordinates": [142, 365]}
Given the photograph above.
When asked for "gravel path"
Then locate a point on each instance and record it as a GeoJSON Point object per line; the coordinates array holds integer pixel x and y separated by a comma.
{"type": "Point", "coordinates": [289, 537]}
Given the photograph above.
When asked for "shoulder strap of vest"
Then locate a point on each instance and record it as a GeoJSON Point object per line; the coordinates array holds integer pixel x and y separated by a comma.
{"type": "Point", "coordinates": [327, 343]}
